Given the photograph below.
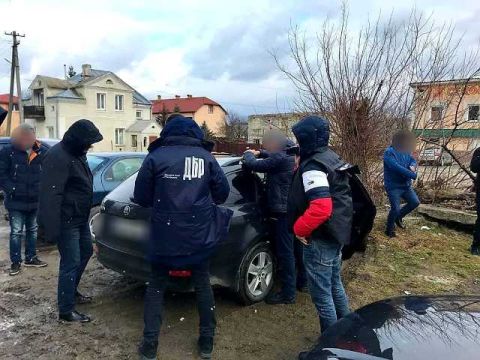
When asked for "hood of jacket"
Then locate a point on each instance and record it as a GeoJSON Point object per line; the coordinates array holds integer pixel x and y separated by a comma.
{"type": "Point", "coordinates": [312, 133]}
{"type": "Point", "coordinates": [3, 115]}
{"type": "Point", "coordinates": [181, 130]}
{"type": "Point", "coordinates": [80, 136]}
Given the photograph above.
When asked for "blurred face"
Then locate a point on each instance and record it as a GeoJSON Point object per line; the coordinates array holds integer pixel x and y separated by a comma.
{"type": "Point", "coordinates": [272, 146]}
{"type": "Point", "coordinates": [24, 139]}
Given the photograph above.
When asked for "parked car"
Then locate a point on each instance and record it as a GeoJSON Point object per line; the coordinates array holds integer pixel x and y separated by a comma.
{"type": "Point", "coordinates": [405, 328]}
{"type": "Point", "coordinates": [435, 156]}
{"type": "Point", "coordinates": [110, 170]}
{"type": "Point", "coordinates": [244, 262]}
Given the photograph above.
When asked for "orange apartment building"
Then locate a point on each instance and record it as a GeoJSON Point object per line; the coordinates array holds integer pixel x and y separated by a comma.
{"type": "Point", "coordinates": [15, 115]}
{"type": "Point", "coordinates": [449, 110]}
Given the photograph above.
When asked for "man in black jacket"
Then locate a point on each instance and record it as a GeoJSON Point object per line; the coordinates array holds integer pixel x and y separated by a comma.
{"type": "Point", "coordinates": [279, 167]}
{"type": "Point", "coordinates": [475, 167]}
{"type": "Point", "coordinates": [20, 165]}
{"type": "Point", "coordinates": [65, 203]}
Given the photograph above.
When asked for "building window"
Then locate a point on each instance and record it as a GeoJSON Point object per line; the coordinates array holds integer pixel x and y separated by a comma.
{"type": "Point", "coordinates": [119, 102]}
{"type": "Point", "coordinates": [134, 141]}
{"type": "Point", "coordinates": [473, 112]}
{"type": "Point", "coordinates": [138, 114]}
{"type": "Point", "coordinates": [436, 113]}
{"type": "Point", "coordinates": [256, 141]}
{"type": "Point", "coordinates": [210, 109]}
{"type": "Point", "coordinates": [145, 141]}
{"type": "Point", "coordinates": [119, 136]}
{"type": "Point", "coordinates": [101, 101]}
{"type": "Point", "coordinates": [51, 132]}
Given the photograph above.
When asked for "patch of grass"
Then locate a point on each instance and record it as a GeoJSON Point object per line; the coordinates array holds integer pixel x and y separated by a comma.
{"type": "Point", "coordinates": [418, 261]}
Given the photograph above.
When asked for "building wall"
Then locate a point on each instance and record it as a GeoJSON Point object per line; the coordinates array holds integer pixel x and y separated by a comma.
{"type": "Point", "coordinates": [259, 124]}
{"type": "Point", "coordinates": [15, 121]}
{"type": "Point", "coordinates": [214, 121]}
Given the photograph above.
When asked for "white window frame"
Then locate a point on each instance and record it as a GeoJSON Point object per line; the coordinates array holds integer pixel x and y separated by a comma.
{"type": "Point", "coordinates": [118, 103]}
{"type": "Point", "coordinates": [99, 96]}
{"type": "Point", "coordinates": [437, 106]}
{"type": "Point", "coordinates": [141, 114]}
{"type": "Point", "coordinates": [134, 144]}
{"type": "Point", "coordinates": [468, 113]}
{"type": "Point", "coordinates": [119, 131]}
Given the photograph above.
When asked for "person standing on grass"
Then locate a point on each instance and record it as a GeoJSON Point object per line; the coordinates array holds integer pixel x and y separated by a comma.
{"type": "Point", "coordinates": [20, 167]}
{"type": "Point", "coordinates": [320, 210]}
{"type": "Point", "coordinates": [475, 167]}
{"type": "Point", "coordinates": [183, 184]}
{"type": "Point", "coordinates": [400, 169]}
{"type": "Point", "coordinates": [65, 203]}
{"type": "Point", "coordinates": [278, 166]}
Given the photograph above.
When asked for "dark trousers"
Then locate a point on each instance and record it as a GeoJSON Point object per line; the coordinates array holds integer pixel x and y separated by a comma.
{"type": "Point", "coordinates": [288, 253]}
{"type": "Point", "coordinates": [18, 221]}
{"type": "Point", "coordinates": [75, 247]}
{"type": "Point", "coordinates": [396, 211]}
{"type": "Point", "coordinates": [153, 303]}
{"type": "Point", "coordinates": [476, 231]}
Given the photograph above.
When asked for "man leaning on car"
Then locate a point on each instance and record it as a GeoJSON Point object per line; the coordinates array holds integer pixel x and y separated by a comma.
{"type": "Point", "coordinates": [320, 210]}
{"type": "Point", "coordinates": [20, 166]}
{"type": "Point", "coordinates": [182, 182]}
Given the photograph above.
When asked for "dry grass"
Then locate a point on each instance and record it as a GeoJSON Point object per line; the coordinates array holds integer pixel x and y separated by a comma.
{"type": "Point", "coordinates": [429, 261]}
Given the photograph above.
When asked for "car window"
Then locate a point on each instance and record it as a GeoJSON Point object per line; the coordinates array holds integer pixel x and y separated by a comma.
{"type": "Point", "coordinates": [123, 169]}
{"type": "Point", "coordinates": [94, 162]}
{"type": "Point", "coordinates": [242, 187]}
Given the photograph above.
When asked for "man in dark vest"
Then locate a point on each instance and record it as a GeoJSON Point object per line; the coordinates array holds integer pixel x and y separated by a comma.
{"type": "Point", "coordinates": [320, 210]}
{"type": "Point", "coordinates": [183, 184]}
{"type": "Point", "coordinates": [475, 167]}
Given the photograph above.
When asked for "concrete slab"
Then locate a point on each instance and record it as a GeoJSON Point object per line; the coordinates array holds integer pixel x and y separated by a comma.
{"type": "Point", "coordinates": [448, 215]}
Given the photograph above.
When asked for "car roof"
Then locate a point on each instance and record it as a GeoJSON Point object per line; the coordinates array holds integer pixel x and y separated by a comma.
{"type": "Point", "coordinates": [228, 160]}
{"type": "Point", "coordinates": [118, 154]}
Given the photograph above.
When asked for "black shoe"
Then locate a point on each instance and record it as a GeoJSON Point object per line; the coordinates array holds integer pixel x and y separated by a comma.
{"type": "Point", "coordinates": [148, 350]}
{"type": "Point", "coordinates": [205, 347]}
{"type": "Point", "coordinates": [303, 355]}
{"type": "Point", "coordinates": [15, 269]}
{"type": "Point", "coordinates": [279, 298]}
{"type": "Point", "coordinates": [82, 299]}
{"type": "Point", "coordinates": [475, 250]}
{"type": "Point", "coordinates": [303, 289]}
{"type": "Point", "coordinates": [75, 316]}
{"type": "Point", "coordinates": [390, 234]}
{"type": "Point", "coordinates": [400, 224]}
{"type": "Point", "coordinates": [35, 262]}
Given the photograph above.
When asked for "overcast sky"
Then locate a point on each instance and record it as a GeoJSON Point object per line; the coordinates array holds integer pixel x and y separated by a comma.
{"type": "Point", "coordinates": [213, 48]}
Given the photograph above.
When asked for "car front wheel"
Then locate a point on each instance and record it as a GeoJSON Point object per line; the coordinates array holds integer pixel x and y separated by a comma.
{"type": "Point", "coordinates": [256, 274]}
{"type": "Point", "coordinates": [93, 214]}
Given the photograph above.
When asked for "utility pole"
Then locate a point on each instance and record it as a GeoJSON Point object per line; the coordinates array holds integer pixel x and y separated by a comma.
{"type": "Point", "coordinates": [15, 72]}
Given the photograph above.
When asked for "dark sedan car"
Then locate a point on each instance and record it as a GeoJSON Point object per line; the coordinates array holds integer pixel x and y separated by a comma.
{"type": "Point", "coordinates": [405, 328]}
{"type": "Point", "coordinates": [244, 262]}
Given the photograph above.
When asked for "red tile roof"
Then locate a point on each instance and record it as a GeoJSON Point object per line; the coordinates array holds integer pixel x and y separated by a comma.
{"type": "Point", "coordinates": [185, 104]}
{"type": "Point", "coordinates": [4, 99]}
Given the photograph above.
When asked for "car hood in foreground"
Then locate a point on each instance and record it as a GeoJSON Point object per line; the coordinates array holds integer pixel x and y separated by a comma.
{"type": "Point", "coordinates": [412, 327]}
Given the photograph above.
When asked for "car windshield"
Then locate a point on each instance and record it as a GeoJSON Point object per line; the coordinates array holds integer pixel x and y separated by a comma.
{"type": "Point", "coordinates": [95, 161]}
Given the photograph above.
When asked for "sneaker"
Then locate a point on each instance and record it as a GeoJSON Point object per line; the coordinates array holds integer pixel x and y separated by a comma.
{"type": "Point", "coordinates": [303, 355]}
{"type": "Point", "coordinates": [303, 289]}
{"type": "Point", "coordinates": [74, 316]}
{"type": "Point", "coordinates": [400, 224]}
{"type": "Point", "coordinates": [205, 347]}
{"type": "Point", "coordinates": [82, 299]}
{"type": "Point", "coordinates": [35, 262]}
{"type": "Point", "coordinates": [279, 298]}
{"type": "Point", "coordinates": [390, 234]}
{"type": "Point", "coordinates": [148, 350]}
{"type": "Point", "coordinates": [475, 250]}
{"type": "Point", "coordinates": [15, 269]}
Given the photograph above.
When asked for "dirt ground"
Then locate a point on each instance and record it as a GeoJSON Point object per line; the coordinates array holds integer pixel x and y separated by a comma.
{"type": "Point", "coordinates": [420, 260]}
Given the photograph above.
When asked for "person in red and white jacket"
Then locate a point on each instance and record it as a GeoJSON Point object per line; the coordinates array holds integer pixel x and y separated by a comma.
{"type": "Point", "coordinates": [320, 210]}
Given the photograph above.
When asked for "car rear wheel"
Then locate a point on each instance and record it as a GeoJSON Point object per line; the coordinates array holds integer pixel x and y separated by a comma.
{"type": "Point", "coordinates": [256, 274]}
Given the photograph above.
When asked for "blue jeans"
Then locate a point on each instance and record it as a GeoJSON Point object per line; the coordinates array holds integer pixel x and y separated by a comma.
{"type": "Point", "coordinates": [323, 262]}
{"type": "Point", "coordinates": [285, 251]}
{"type": "Point", "coordinates": [396, 212]}
{"type": "Point", "coordinates": [153, 303]}
{"type": "Point", "coordinates": [19, 220]}
{"type": "Point", "coordinates": [75, 247]}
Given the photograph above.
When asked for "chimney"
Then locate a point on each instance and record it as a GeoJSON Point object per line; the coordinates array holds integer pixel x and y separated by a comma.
{"type": "Point", "coordinates": [159, 97]}
{"type": "Point", "coordinates": [189, 96]}
{"type": "Point", "coordinates": [86, 70]}
{"type": "Point", "coordinates": [177, 96]}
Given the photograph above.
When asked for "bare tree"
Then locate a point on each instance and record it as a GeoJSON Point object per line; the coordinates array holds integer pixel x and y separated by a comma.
{"type": "Point", "coordinates": [360, 80]}
{"type": "Point", "coordinates": [234, 129]}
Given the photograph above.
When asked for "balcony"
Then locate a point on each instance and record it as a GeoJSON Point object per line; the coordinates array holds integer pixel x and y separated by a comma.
{"type": "Point", "coordinates": [34, 112]}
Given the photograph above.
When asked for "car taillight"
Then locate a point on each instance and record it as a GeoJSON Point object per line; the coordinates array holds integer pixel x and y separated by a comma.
{"type": "Point", "coordinates": [352, 346]}
{"type": "Point", "coordinates": [180, 273]}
